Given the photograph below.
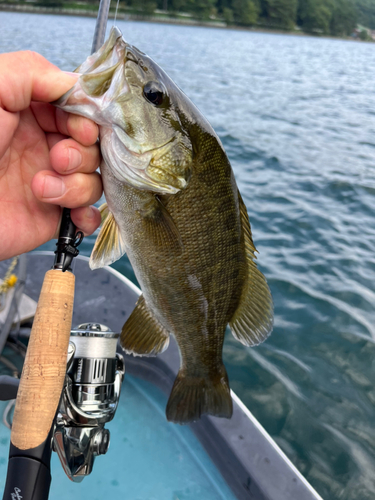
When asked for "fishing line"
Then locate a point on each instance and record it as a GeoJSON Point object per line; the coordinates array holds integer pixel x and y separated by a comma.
{"type": "Point", "coordinates": [114, 22]}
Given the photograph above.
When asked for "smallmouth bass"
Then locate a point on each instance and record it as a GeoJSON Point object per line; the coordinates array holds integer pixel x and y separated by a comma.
{"type": "Point", "coordinates": [174, 207]}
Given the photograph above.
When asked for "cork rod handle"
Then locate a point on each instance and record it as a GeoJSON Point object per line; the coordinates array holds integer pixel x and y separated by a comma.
{"type": "Point", "coordinates": [45, 363]}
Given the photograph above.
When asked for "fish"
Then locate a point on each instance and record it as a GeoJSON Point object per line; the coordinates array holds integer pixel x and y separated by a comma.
{"type": "Point", "coordinates": [173, 206]}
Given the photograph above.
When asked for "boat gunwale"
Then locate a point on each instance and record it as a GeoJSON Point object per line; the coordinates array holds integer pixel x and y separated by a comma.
{"type": "Point", "coordinates": [218, 435]}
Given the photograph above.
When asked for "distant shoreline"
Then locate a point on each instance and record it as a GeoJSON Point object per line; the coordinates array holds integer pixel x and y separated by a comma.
{"type": "Point", "coordinates": [30, 9]}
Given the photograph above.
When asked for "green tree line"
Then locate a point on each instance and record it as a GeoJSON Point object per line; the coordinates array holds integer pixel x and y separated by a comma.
{"type": "Point", "coordinates": [330, 17]}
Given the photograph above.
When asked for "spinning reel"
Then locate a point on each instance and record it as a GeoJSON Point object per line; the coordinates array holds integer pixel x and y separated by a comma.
{"type": "Point", "coordinates": [89, 399]}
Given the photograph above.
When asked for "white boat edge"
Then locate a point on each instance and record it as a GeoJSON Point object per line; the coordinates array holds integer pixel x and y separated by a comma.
{"type": "Point", "coordinates": [235, 398]}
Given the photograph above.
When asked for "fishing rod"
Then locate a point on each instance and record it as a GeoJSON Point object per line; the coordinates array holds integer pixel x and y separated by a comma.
{"type": "Point", "coordinates": [45, 366]}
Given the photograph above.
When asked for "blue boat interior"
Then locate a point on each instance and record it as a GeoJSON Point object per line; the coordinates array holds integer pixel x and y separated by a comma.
{"type": "Point", "coordinates": [148, 458]}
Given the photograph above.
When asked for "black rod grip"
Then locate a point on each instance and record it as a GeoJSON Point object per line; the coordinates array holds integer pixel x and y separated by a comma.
{"type": "Point", "coordinates": [29, 474]}
{"type": "Point", "coordinates": [27, 479]}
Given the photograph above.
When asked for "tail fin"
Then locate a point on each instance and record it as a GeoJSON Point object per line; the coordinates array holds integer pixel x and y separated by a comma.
{"type": "Point", "coordinates": [192, 397]}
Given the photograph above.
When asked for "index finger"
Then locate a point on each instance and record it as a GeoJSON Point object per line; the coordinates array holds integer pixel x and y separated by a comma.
{"type": "Point", "coordinates": [27, 76]}
{"type": "Point", "coordinates": [54, 120]}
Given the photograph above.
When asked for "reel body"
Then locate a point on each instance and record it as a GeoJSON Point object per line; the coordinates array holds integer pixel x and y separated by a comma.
{"type": "Point", "coordinates": [89, 399]}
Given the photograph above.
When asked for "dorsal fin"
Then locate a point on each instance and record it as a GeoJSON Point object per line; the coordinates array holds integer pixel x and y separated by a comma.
{"type": "Point", "coordinates": [109, 245]}
{"type": "Point", "coordinates": [252, 322]}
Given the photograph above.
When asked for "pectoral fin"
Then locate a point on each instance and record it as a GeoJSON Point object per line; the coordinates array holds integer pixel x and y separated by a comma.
{"type": "Point", "coordinates": [160, 227]}
{"type": "Point", "coordinates": [109, 245]}
{"type": "Point", "coordinates": [142, 334]}
{"type": "Point", "coordinates": [252, 322]}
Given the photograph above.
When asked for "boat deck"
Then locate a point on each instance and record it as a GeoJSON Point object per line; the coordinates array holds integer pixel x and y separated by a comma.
{"type": "Point", "coordinates": [150, 458]}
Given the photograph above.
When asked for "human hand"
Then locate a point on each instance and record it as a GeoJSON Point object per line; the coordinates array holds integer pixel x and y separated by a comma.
{"type": "Point", "coordinates": [48, 158]}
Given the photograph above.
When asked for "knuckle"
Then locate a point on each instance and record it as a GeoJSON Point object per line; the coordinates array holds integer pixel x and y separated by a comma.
{"type": "Point", "coordinates": [31, 56]}
{"type": "Point", "coordinates": [72, 123]}
{"type": "Point", "coordinates": [61, 121]}
{"type": "Point", "coordinates": [87, 188]}
{"type": "Point", "coordinates": [82, 190]}
{"type": "Point", "coordinates": [92, 157]}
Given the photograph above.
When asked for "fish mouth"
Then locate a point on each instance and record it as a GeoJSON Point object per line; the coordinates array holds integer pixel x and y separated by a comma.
{"type": "Point", "coordinates": [98, 94]}
{"type": "Point", "coordinates": [100, 81]}
{"type": "Point", "coordinates": [105, 56]}
{"type": "Point", "coordinates": [113, 52]}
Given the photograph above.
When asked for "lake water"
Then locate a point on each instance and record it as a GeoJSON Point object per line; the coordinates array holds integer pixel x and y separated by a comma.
{"type": "Point", "coordinates": [297, 118]}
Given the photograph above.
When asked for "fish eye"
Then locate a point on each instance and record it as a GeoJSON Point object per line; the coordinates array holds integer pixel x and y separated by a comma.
{"type": "Point", "coordinates": [154, 92]}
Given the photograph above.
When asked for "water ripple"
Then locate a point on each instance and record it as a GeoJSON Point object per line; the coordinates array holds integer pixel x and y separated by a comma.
{"type": "Point", "coordinates": [295, 115]}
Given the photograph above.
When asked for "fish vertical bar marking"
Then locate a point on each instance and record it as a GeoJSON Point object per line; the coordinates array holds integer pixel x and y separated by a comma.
{"type": "Point", "coordinates": [101, 25]}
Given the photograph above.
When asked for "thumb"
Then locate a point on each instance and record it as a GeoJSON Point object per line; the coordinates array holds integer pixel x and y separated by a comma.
{"type": "Point", "coordinates": [27, 76]}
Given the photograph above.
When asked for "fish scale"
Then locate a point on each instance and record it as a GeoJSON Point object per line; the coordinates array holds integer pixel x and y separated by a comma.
{"type": "Point", "coordinates": [173, 205]}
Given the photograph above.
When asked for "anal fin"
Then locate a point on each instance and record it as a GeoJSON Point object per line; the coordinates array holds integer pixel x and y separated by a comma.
{"type": "Point", "coordinates": [142, 333]}
{"type": "Point", "coordinates": [252, 322]}
{"type": "Point", "coordinates": [109, 245]}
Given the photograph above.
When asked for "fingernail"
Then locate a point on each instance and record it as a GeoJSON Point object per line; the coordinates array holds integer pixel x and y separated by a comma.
{"type": "Point", "coordinates": [70, 73]}
{"type": "Point", "coordinates": [54, 187]}
{"type": "Point", "coordinates": [75, 159]}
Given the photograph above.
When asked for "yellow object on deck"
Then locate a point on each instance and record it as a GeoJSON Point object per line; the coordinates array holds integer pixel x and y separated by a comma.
{"type": "Point", "coordinates": [10, 279]}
